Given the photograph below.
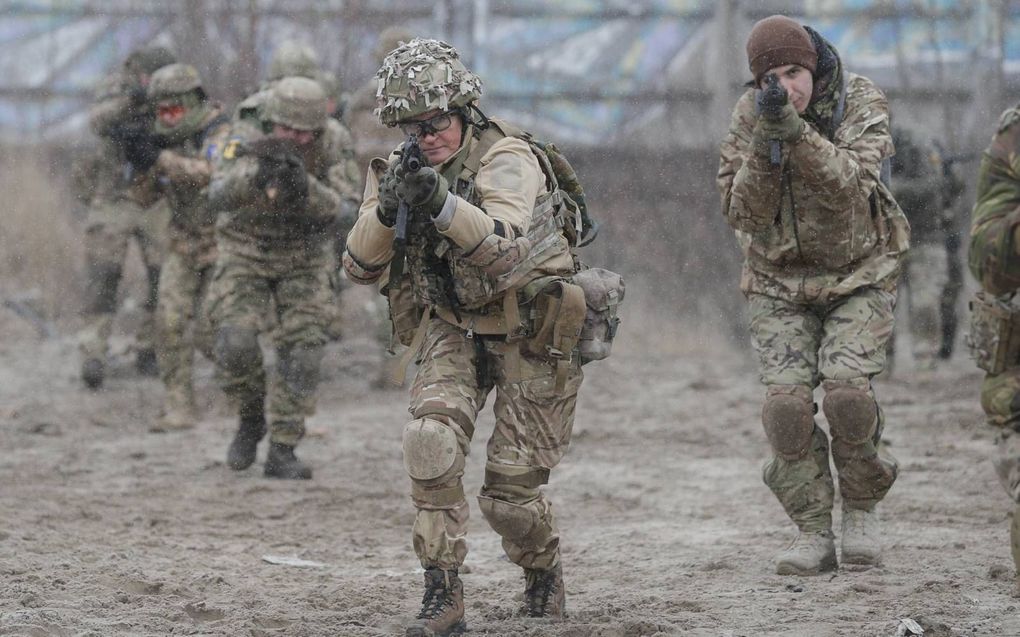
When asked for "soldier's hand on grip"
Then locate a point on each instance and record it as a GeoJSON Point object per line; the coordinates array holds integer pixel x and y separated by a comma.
{"type": "Point", "coordinates": [786, 125]}
{"type": "Point", "coordinates": [389, 200]}
{"type": "Point", "coordinates": [293, 182]}
{"type": "Point", "coordinates": [425, 189]}
{"type": "Point", "coordinates": [142, 150]}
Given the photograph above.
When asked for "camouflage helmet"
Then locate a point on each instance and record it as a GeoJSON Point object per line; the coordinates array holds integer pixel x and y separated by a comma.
{"type": "Point", "coordinates": [421, 76]}
{"type": "Point", "coordinates": [389, 39]}
{"type": "Point", "coordinates": [148, 60]}
{"type": "Point", "coordinates": [330, 84]}
{"type": "Point", "coordinates": [174, 80]}
{"type": "Point", "coordinates": [297, 102]}
{"type": "Point", "coordinates": [293, 59]}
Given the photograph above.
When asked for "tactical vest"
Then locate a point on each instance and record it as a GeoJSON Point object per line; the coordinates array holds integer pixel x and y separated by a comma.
{"type": "Point", "coordinates": [441, 276]}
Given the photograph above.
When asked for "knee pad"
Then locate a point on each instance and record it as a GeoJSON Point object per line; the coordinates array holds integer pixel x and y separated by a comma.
{"type": "Point", "coordinates": [520, 523]}
{"type": "Point", "coordinates": [237, 349]}
{"type": "Point", "coordinates": [431, 451]}
{"type": "Point", "coordinates": [101, 288]}
{"type": "Point", "coordinates": [789, 419]}
{"type": "Point", "coordinates": [851, 411]}
{"type": "Point", "coordinates": [299, 369]}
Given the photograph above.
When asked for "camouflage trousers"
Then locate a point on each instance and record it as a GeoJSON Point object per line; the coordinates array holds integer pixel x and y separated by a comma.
{"type": "Point", "coordinates": [181, 325]}
{"type": "Point", "coordinates": [926, 277]}
{"type": "Point", "coordinates": [244, 294]}
{"type": "Point", "coordinates": [532, 432]}
{"type": "Point", "coordinates": [840, 344]}
{"type": "Point", "coordinates": [1000, 399]}
{"type": "Point", "coordinates": [109, 229]}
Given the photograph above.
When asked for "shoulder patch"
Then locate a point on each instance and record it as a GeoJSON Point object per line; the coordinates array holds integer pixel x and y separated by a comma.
{"type": "Point", "coordinates": [230, 148]}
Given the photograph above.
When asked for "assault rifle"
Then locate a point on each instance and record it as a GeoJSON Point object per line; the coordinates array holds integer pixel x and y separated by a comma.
{"type": "Point", "coordinates": [141, 146]}
{"type": "Point", "coordinates": [281, 173]}
{"type": "Point", "coordinates": [771, 103]}
{"type": "Point", "coordinates": [411, 161]}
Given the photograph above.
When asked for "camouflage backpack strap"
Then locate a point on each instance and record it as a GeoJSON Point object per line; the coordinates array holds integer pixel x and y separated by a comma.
{"type": "Point", "coordinates": [206, 130]}
{"type": "Point", "coordinates": [486, 138]}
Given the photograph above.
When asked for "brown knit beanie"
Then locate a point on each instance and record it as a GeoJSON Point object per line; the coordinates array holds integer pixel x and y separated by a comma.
{"type": "Point", "coordinates": [777, 41]}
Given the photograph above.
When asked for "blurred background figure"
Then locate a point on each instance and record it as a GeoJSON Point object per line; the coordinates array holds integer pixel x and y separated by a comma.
{"type": "Point", "coordinates": [193, 130]}
{"type": "Point", "coordinates": [926, 188]}
{"type": "Point", "coordinates": [125, 206]}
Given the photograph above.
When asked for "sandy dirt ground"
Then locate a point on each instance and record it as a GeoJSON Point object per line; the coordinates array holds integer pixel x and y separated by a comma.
{"type": "Point", "coordinates": [106, 529]}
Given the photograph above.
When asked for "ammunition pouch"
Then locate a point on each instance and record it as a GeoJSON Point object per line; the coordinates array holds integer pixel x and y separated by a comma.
{"type": "Point", "coordinates": [994, 338]}
{"type": "Point", "coordinates": [405, 313]}
{"type": "Point", "coordinates": [603, 293]}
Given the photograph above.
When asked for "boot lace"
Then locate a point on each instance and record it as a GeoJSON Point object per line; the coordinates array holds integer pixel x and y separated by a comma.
{"type": "Point", "coordinates": [435, 599]}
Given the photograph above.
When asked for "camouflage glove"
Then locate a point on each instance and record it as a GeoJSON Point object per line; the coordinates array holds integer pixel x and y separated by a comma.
{"type": "Point", "coordinates": [424, 190]}
{"type": "Point", "coordinates": [389, 200]}
{"type": "Point", "coordinates": [787, 127]}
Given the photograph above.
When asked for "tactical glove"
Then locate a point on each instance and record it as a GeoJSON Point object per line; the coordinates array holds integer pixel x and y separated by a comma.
{"type": "Point", "coordinates": [389, 201]}
{"type": "Point", "coordinates": [141, 150]}
{"type": "Point", "coordinates": [293, 183]}
{"type": "Point", "coordinates": [786, 128]}
{"type": "Point", "coordinates": [425, 190]}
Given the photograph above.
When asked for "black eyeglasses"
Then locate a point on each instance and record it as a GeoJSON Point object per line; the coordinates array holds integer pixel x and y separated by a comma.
{"type": "Point", "coordinates": [429, 126]}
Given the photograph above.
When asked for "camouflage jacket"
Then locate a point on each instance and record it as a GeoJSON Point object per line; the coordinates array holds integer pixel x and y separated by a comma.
{"type": "Point", "coordinates": [509, 187]}
{"type": "Point", "coordinates": [249, 225]}
{"type": "Point", "coordinates": [183, 173]}
{"type": "Point", "coordinates": [919, 185]}
{"type": "Point", "coordinates": [822, 224]}
{"type": "Point", "coordinates": [994, 259]}
{"type": "Point", "coordinates": [113, 177]}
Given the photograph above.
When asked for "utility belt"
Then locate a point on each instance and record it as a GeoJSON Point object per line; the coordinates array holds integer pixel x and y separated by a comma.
{"type": "Point", "coordinates": [994, 338]}
{"type": "Point", "coordinates": [550, 317]}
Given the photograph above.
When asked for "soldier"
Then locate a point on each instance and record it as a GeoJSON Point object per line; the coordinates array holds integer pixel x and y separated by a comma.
{"type": "Point", "coordinates": [953, 187]}
{"type": "Point", "coordinates": [822, 239]}
{"type": "Point", "coordinates": [917, 183]}
{"type": "Point", "coordinates": [124, 205]}
{"type": "Point", "coordinates": [479, 257]}
{"type": "Point", "coordinates": [279, 188]}
{"type": "Point", "coordinates": [194, 130]}
{"type": "Point", "coordinates": [994, 261]}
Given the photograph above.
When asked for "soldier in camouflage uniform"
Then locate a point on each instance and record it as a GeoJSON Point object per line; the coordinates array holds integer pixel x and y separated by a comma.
{"type": "Point", "coordinates": [994, 261]}
{"type": "Point", "coordinates": [293, 59]}
{"type": "Point", "coordinates": [278, 188]}
{"type": "Point", "coordinates": [478, 247]}
{"type": "Point", "coordinates": [919, 185]}
{"type": "Point", "coordinates": [194, 130]}
{"type": "Point", "coordinates": [125, 204]}
{"type": "Point", "coordinates": [822, 239]}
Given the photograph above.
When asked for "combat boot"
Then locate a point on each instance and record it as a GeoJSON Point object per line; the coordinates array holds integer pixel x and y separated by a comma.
{"type": "Point", "coordinates": [252, 427]}
{"type": "Point", "coordinates": [860, 537]}
{"type": "Point", "coordinates": [146, 363]}
{"type": "Point", "coordinates": [93, 371]}
{"type": "Point", "coordinates": [178, 412]}
{"type": "Point", "coordinates": [282, 463]}
{"type": "Point", "coordinates": [544, 595]}
{"type": "Point", "coordinates": [442, 606]}
{"type": "Point", "coordinates": [810, 554]}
